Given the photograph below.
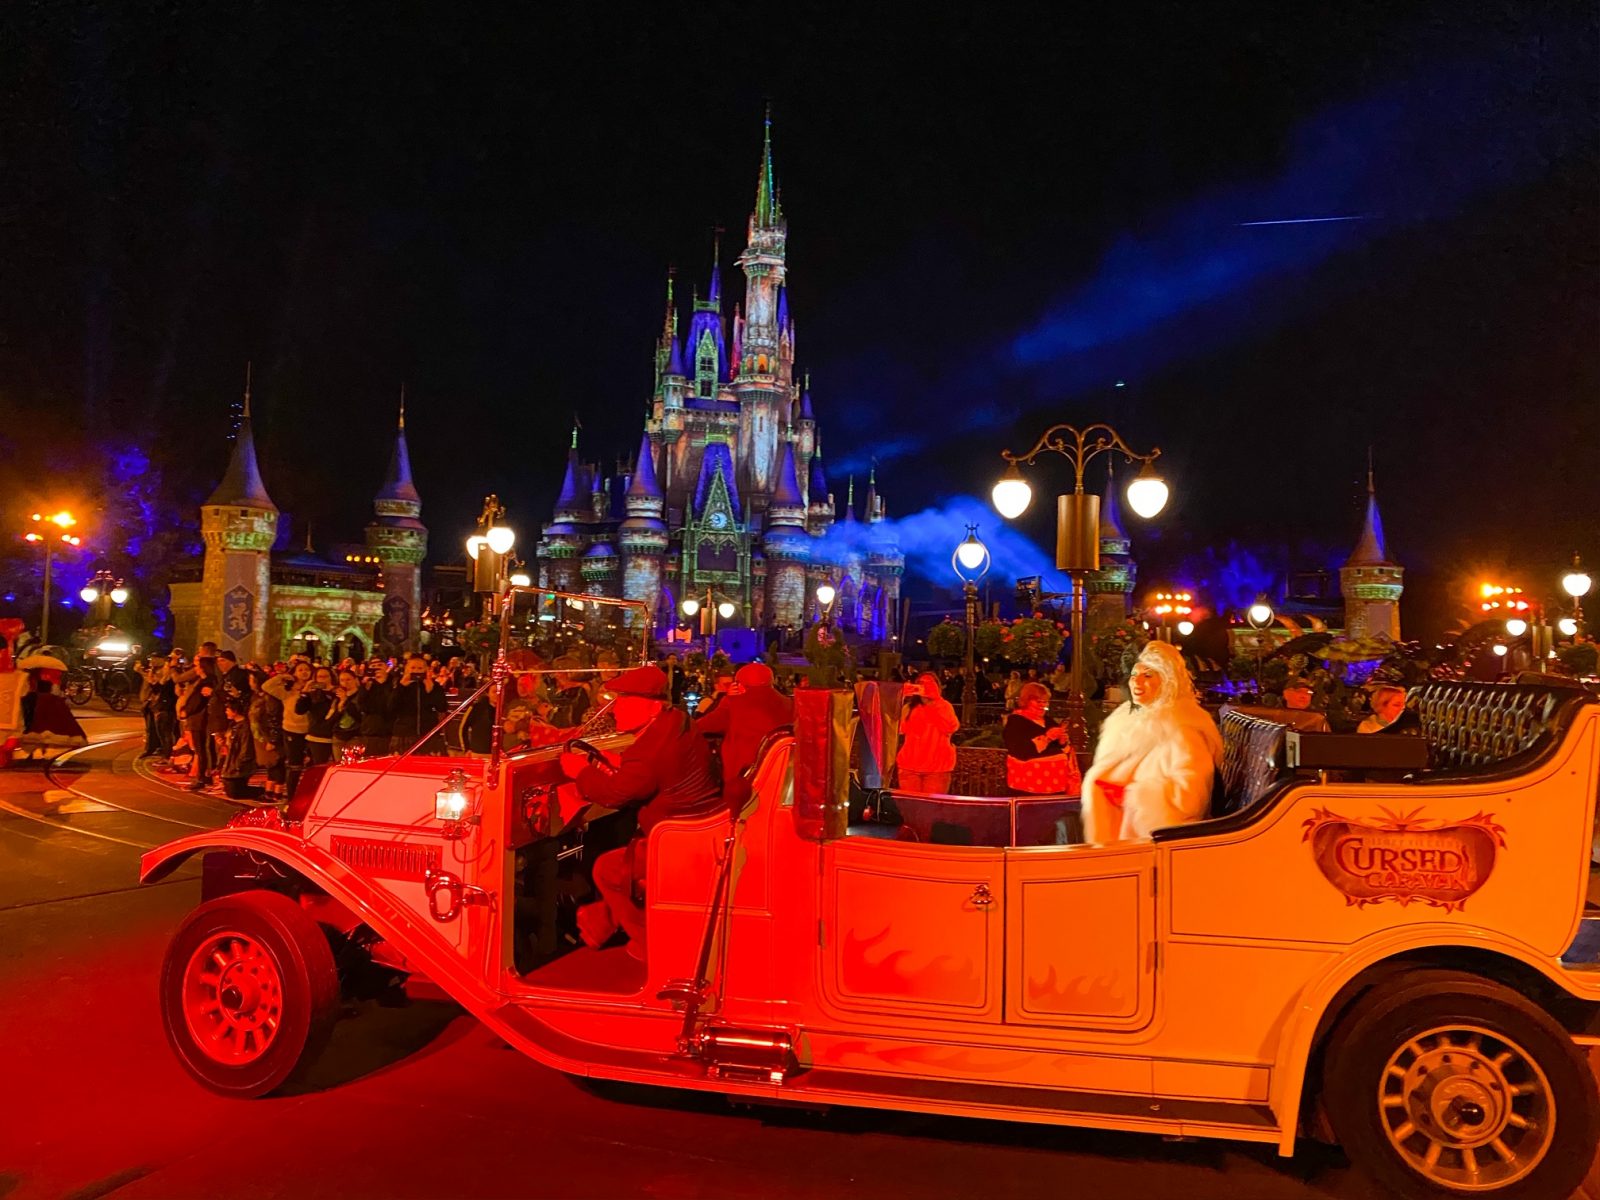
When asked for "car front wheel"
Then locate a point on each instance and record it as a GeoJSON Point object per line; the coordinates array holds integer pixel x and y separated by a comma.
{"type": "Point", "coordinates": [249, 993]}
{"type": "Point", "coordinates": [1442, 1084]}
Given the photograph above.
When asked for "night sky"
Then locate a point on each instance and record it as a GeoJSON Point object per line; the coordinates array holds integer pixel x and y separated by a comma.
{"type": "Point", "coordinates": [998, 218]}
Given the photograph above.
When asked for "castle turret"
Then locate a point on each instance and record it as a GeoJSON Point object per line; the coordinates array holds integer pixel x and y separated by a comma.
{"type": "Point", "coordinates": [643, 534]}
{"type": "Point", "coordinates": [1110, 589]}
{"type": "Point", "coordinates": [819, 509]}
{"type": "Point", "coordinates": [398, 539]}
{"type": "Point", "coordinates": [787, 548]}
{"type": "Point", "coordinates": [238, 523]}
{"type": "Point", "coordinates": [1371, 581]}
{"type": "Point", "coordinates": [886, 564]}
{"type": "Point", "coordinates": [564, 537]}
{"type": "Point", "coordinates": [805, 434]}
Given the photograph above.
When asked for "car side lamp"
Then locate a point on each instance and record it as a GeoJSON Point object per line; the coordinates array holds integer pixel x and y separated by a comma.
{"type": "Point", "coordinates": [456, 804]}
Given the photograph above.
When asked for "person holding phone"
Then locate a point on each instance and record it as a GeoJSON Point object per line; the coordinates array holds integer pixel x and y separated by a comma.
{"type": "Point", "coordinates": [927, 755]}
{"type": "Point", "coordinates": [1039, 756]}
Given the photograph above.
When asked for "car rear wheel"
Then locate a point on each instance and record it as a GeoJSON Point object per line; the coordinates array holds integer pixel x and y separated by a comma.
{"type": "Point", "coordinates": [1444, 1084]}
{"type": "Point", "coordinates": [249, 993]}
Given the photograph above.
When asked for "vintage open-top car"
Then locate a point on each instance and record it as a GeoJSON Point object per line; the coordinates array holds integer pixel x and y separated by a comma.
{"type": "Point", "coordinates": [1380, 942]}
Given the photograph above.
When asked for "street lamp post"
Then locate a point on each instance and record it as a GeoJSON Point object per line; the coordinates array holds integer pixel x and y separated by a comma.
{"type": "Point", "coordinates": [1576, 583]}
{"type": "Point", "coordinates": [825, 597]}
{"type": "Point", "coordinates": [1260, 615]}
{"type": "Point", "coordinates": [489, 549]}
{"type": "Point", "coordinates": [103, 592]}
{"type": "Point", "coordinates": [1078, 525]}
{"type": "Point", "coordinates": [971, 562]}
{"type": "Point", "coordinates": [62, 522]}
{"type": "Point", "coordinates": [708, 610]}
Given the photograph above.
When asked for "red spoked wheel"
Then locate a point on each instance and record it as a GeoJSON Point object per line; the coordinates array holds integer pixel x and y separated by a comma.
{"type": "Point", "coordinates": [249, 993]}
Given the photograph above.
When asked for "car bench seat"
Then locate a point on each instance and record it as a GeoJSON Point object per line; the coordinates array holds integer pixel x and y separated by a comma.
{"type": "Point", "coordinates": [1470, 726]}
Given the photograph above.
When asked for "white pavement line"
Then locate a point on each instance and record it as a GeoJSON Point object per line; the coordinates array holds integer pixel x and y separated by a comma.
{"type": "Point", "coordinates": [138, 812]}
{"type": "Point", "coordinates": [180, 877]}
{"type": "Point", "coordinates": [65, 827]}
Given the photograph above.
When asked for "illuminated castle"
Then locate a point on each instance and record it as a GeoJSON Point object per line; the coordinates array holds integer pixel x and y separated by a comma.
{"type": "Point", "coordinates": [726, 492]}
{"type": "Point", "coordinates": [265, 605]}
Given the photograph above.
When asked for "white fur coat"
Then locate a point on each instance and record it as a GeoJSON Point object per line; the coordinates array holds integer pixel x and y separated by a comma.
{"type": "Point", "coordinates": [1166, 756]}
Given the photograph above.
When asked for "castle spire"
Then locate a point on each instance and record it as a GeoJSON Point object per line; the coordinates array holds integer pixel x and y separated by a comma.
{"type": "Point", "coordinates": [241, 483]}
{"type": "Point", "coordinates": [644, 472]}
{"type": "Point", "coordinates": [768, 211]}
{"type": "Point", "coordinates": [397, 484]}
{"type": "Point", "coordinates": [1370, 549]}
{"type": "Point", "coordinates": [715, 298]}
{"type": "Point", "coordinates": [850, 500]}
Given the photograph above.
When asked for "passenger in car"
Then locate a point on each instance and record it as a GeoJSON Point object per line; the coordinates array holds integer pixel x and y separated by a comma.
{"type": "Point", "coordinates": [1157, 754]}
{"type": "Point", "coordinates": [666, 772]}
{"type": "Point", "coordinates": [1039, 758]}
{"type": "Point", "coordinates": [751, 709]}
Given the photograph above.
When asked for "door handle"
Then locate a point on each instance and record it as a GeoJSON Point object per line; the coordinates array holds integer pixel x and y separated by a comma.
{"type": "Point", "coordinates": [447, 895]}
{"type": "Point", "coordinates": [981, 896]}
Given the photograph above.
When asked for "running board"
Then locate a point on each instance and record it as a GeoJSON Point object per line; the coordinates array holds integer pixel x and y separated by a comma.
{"type": "Point", "coordinates": [748, 1073]}
{"type": "Point", "coordinates": [1122, 1109]}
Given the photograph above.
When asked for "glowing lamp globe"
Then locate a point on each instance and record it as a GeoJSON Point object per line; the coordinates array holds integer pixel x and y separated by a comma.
{"type": "Point", "coordinates": [825, 594]}
{"type": "Point", "coordinates": [521, 579]}
{"type": "Point", "coordinates": [690, 606]}
{"type": "Point", "coordinates": [1500, 651]}
{"type": "Point", "coordinates": [88, 595]}
{"type": "Point", "coordinates": [473, 544]}
{"type": "Point", "coordinates": [1185, 628]}
{"type": "Point", "coordinates": [1567, 626]}
{"type": "Point", "coordinates": [119, 595]}
{"type": "Point", "coordinates": [1012, 495]}
{"type": "Point", "coordinates": [726, 609]}
{"type": "Point", "coordinates": [500, 539]}
{"type": "Point", "coordinates": [1516, 627]}
{"type": "Point", "coordinates": [1260, 614]}
{"type": "Point", "coordinates": [971, 553]}
{"type": "Point", "coordinates": [1147, 494]}
{"type": "Point", "coordinates": [1576, 583]}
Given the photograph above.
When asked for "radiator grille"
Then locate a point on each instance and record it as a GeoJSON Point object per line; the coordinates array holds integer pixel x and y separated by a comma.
{"type": "Point", "coordinates": [394, 860]}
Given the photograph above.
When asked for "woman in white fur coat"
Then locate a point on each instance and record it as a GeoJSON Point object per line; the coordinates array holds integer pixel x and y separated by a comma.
{"type": "Point", "coordinates": [1157, 755]}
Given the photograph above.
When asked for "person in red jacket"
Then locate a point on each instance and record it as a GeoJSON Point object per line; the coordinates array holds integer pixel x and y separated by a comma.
{"type": "Point", "coordinates": [752, 709]}
{"type": "Point", "coordinates": [927, 756]}
{"type": "Point", "coordinates": [666, 772]}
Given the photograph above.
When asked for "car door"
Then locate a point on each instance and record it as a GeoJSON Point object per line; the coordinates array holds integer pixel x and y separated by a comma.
{"type": "Point", "coordinates": [1080, 936]}
{"type": "Point", "coordinates": [910, 929]}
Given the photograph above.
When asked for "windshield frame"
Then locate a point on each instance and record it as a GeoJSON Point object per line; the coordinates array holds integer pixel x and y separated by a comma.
{"type": "Point", "coordinates": [635, 617]}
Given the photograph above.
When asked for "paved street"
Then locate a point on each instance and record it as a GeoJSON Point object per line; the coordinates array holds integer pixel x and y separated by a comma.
{"type": "Point", "coordinates": [421, 1101]}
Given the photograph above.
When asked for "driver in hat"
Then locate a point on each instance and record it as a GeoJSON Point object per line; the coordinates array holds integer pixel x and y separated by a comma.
{"type": "Point", "coordinates": [666, 772]}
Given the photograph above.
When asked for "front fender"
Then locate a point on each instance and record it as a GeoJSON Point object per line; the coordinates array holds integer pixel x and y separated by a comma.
{"type": "Point", "coordinates": [1300, 1029]}
{"type": "Point", "coordinates": [393, 921]}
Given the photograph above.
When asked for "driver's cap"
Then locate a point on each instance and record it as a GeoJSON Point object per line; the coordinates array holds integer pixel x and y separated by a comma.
{"type": "Point", "coordinates": [649, 681]}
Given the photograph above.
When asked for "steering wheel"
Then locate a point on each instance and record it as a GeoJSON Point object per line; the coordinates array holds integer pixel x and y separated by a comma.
{"type": "Point", "coordinates": [579, 746]}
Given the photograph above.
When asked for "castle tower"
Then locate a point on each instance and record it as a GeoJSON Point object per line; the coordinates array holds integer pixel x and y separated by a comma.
{"type": "Point", "coordinates": [805, 433]}
{"type": "Point", "coordinates": [398, 539]}
{"type": "Point", "coordinates": [886, 564]}
{"type": "Point", "coordinates": [819, 510]}
{"type": "Point", "coordinates": [1370, 581]}
{"type": "Point", "coordinates": [238, 523]}
{"type": "Point", "coordinates": [564, 537]}
{"type": "Point", "coordinates": [643, 535]}
{"type": "Point", "coordinates": [1110, 589]}
{"type": "Point", "coordinates": [787, 547]}
{"type": "Point", "coordinates": [759, 381]}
